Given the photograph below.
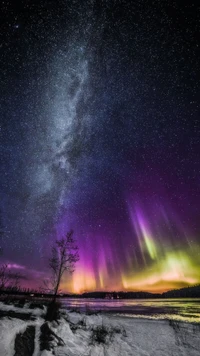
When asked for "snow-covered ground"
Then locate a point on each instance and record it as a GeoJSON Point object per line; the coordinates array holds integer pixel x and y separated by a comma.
{"type": "Point", "coordinates": [79, 335]}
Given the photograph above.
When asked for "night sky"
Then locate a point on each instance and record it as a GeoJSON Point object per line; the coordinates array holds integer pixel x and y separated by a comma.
{"type": "Point", "coordinates": [100, 132]}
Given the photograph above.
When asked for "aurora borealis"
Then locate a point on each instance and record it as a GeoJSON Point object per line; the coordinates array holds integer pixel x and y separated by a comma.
{"type": "Point", "coordinates": [100, 132]}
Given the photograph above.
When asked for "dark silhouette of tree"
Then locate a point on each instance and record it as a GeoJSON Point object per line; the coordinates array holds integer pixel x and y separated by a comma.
{"type": "Point", "coordinates": [8, 280]}
{"type": "Point", "coordinates": [4, 276]}
{"type": "Point", "coordinates": [64, 255]}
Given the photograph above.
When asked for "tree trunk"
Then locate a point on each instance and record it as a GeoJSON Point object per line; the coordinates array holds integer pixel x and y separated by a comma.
{"type": "Point", "coordinates": [58, 283]}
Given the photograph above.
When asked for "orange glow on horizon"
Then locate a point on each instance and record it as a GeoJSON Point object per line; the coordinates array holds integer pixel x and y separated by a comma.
{"type": "Point", "coordinates": [175, 270]}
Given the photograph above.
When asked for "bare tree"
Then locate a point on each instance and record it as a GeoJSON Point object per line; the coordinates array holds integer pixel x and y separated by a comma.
{"type": "Point", "coordinates": [64, 255]}
{"type": "Point", "coordinates": [4, 276]}
{"type": "Point", "coordinates": [15, 281]}
{"type": "Point", "coordinates": [9, 280]}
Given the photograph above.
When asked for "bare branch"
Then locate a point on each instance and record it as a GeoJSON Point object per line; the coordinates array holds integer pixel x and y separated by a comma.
{"type": "Point", "coordinates": [64, 255]}
{"type": "Point", "coordinates": [9, 279]}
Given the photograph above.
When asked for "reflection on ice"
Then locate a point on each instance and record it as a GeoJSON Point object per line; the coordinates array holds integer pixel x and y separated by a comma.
{"type": "Point", "coordinates": [176, 309]}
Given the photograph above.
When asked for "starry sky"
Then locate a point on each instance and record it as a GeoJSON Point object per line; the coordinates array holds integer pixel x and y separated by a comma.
{"type": "Point", "coordinates": [100, 132]}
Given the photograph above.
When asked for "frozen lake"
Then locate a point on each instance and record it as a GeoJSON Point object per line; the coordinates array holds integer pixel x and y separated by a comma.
{"type": "Point", "coordinates": [179, 309]}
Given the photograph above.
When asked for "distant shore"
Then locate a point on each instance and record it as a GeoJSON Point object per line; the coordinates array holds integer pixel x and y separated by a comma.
{"type": "Point", "coordinates": [188, 292]}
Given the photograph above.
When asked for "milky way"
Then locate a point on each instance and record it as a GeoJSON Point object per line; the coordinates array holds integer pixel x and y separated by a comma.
{"type": "Point", "coordinates": [100, 133]}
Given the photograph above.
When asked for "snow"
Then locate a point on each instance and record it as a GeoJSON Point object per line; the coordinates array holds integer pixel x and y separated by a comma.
{"type": "Point", "coordinates": [9, 328]}
{"type": "Point", "coordinates": [137, 337]}
{"type": "Point", "coordinates": [46, 353]}
{"type": "Point", "coordinates": [8, 331]}
{"type": "Point", "coordinates": [37, 337]}
{"type": "Point", "coordinates": [126, 336]}
{"type": "Point", "coordinates": [24, 310]}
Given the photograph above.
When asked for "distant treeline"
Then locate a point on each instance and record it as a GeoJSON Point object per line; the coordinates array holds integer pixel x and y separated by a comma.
{"type": "Point", "coordinates": [120, 295]}
{"type": "Point", "coordinates": [188, 292]}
